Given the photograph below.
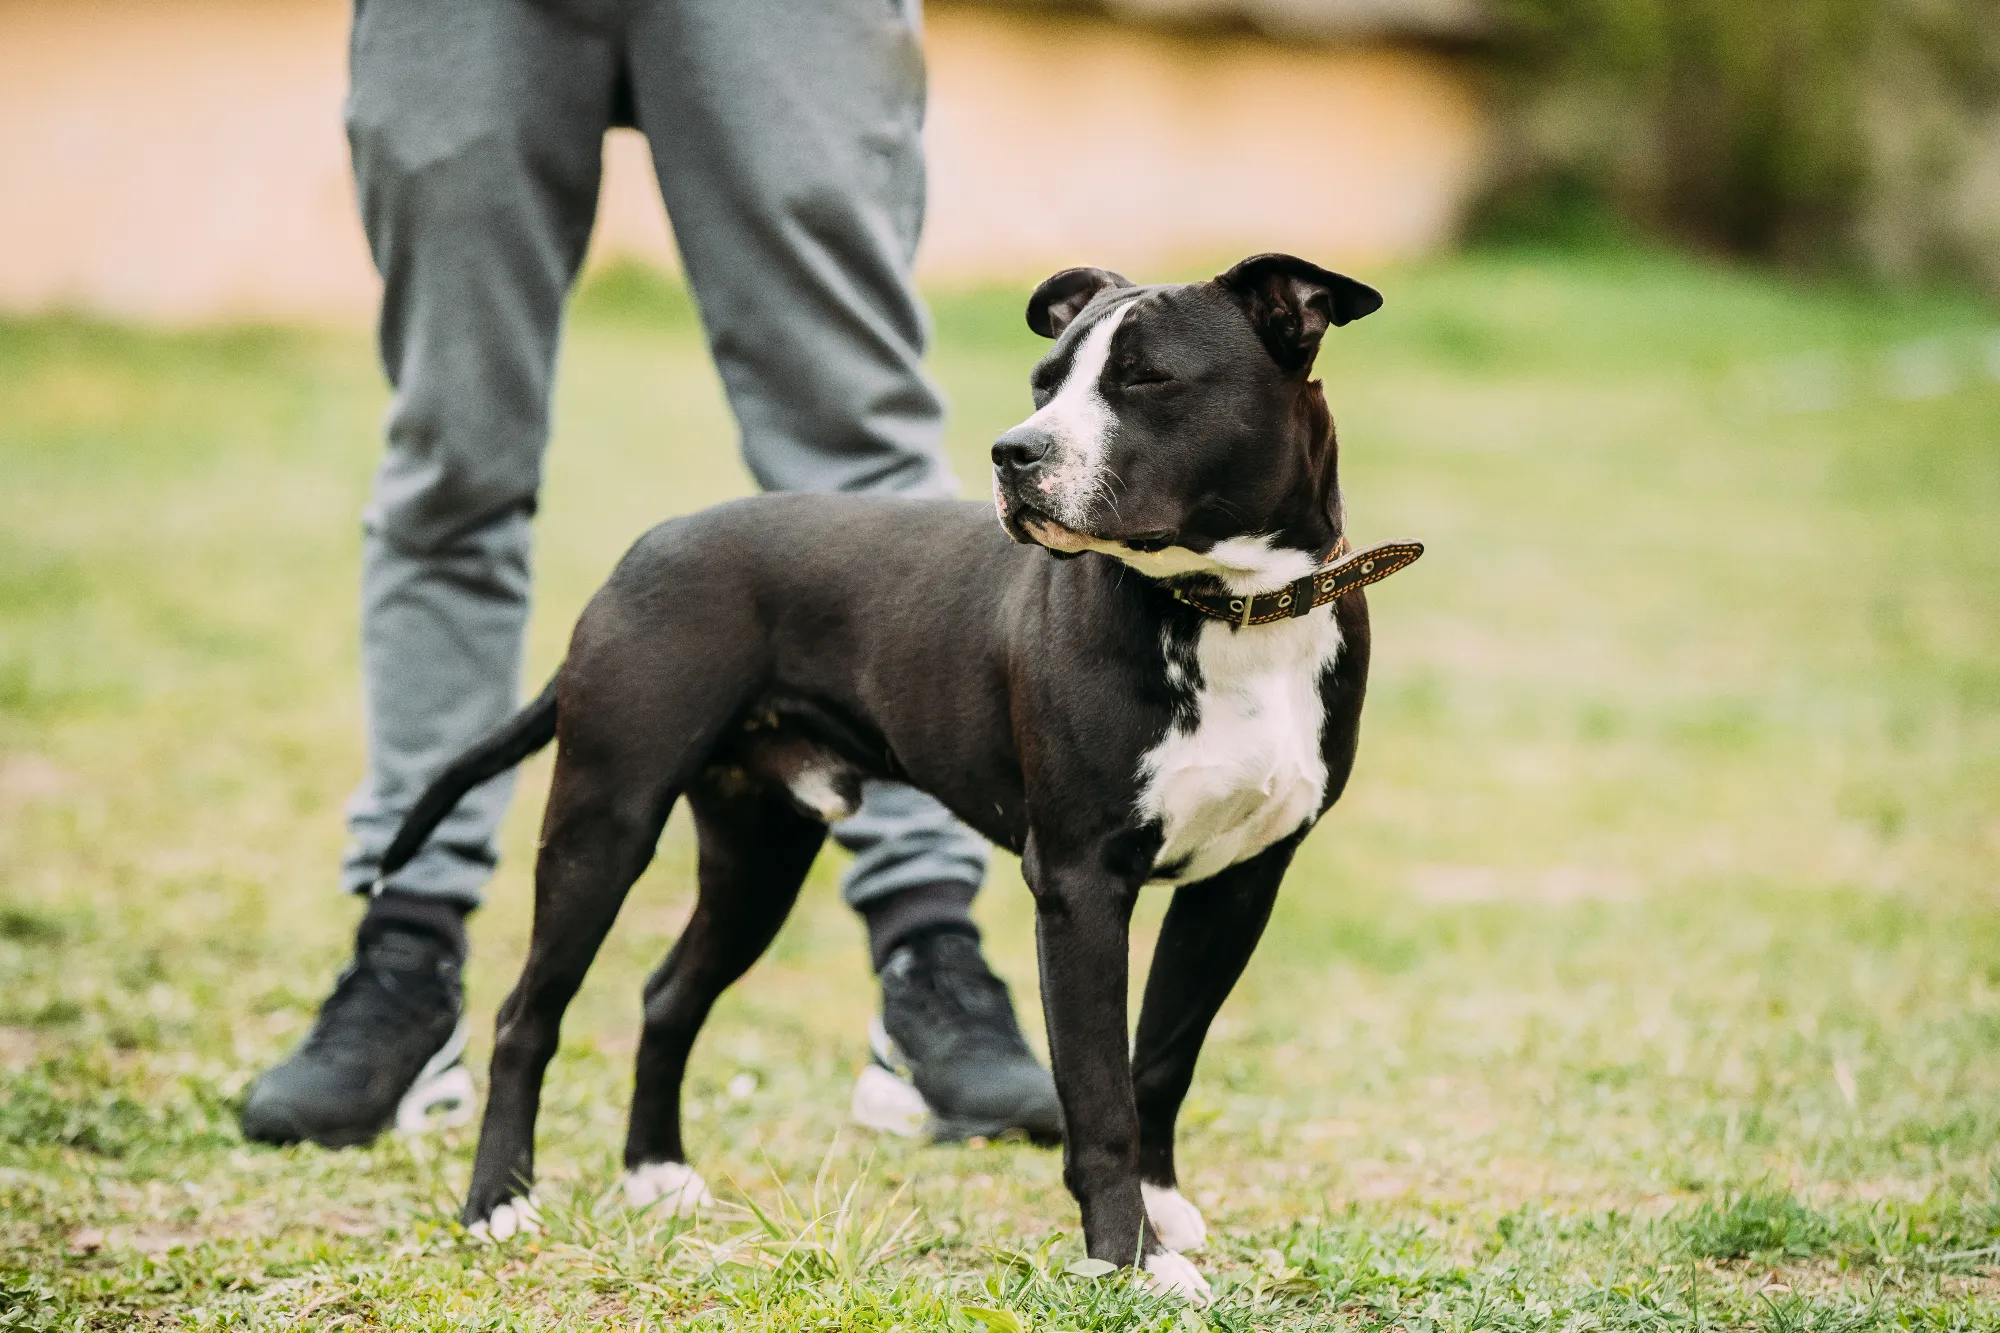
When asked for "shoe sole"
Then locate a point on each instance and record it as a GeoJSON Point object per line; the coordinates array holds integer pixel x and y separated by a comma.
{"type": "Point", "coordinates": [942, 1130]}
{"type": "Point", "coordinates": [441, 1095]}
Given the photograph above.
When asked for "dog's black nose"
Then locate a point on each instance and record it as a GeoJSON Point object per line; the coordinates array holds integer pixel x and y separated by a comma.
{"type": "Point", "coordinates": [1021, 448]}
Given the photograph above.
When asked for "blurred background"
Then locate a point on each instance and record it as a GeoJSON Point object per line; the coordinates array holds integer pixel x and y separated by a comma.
{"type": "Point", "coordinates": [187, 163]}
{"type": "Point", "coordinates": [1667, 891]}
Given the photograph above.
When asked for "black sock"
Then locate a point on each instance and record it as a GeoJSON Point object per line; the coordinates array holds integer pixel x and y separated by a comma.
{"type": "Point", "coordinates": [442, 917]}
{"type": "Point", "coordinates": [922, 909]}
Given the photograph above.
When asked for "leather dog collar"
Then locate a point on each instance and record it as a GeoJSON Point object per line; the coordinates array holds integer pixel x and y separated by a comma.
{"type": "Point", "coordinates": [1340, 574]}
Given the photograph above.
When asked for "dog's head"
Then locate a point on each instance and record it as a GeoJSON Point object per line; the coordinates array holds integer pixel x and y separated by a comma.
{"type": "Point", "coordinates": [1178, 428]}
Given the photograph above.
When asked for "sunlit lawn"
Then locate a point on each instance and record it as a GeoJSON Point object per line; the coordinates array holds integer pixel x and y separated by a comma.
{"type": "Point", "coordinates": [1648, 976]}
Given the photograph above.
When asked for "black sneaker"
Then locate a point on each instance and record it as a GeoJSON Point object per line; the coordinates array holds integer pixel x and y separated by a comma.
{"type": "Point", "coordinates": [949, 1036]}
{"type": "Point", "coordinates": [384, 1050]}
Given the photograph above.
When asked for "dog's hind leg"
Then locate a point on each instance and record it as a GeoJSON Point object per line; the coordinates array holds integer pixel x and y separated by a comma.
{"type": "Point", "coordinates": [756, 848]}
{"type": "Point", "coordinates": [603, 821]}
{"type": "Point", "coordinates": [1208, 935]}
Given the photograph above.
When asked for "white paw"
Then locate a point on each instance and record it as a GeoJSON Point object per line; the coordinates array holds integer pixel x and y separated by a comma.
{"type": "Point", "coordinates": [676, 1187]}
{"type": "Point", "coordinates": [1177, 1276]}
{"type": "Point", "coordinates": [514, 1217]}
{"type": "Point", "coordinates": [1175, 1221]}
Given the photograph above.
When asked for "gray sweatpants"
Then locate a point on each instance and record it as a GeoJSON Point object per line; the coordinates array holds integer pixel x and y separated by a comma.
{"type": "Point", "coordinates": [786, 141]}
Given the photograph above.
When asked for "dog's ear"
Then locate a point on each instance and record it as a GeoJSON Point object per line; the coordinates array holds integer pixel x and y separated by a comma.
{"type": "Point", "coordinates": [1062, 298]}
{"type": "Point", "coordinates": [1291, 302]}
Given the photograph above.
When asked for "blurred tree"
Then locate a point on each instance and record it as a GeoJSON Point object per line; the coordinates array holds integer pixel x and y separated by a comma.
{"type": "Point", "coordinates": [1813, 132]}
{"type": "Point", "coordinates": [1859, 134]}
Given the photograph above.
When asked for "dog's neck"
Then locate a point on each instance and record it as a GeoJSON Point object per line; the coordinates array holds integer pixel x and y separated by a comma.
{"type": "Point", "coordinates": [1239, 566]}
{"type": "Point", "coordinates": [1290, 546]}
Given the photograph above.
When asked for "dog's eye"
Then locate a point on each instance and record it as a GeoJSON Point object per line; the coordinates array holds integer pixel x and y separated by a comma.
{"type": "Point", "coordinates": [1142, 377]}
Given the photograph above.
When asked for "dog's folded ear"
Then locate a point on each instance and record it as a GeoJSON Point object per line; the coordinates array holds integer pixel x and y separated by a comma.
{"type": "Point", "coordinates": [1062, 298]}
{"type": "Point", "coordinates": [1291, 303]}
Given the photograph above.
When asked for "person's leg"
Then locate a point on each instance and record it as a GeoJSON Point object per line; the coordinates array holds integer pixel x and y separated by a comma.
{"type": "Point", "coordinates": [787, 140]}
{"type": "Point", "coordinates": [788, 144]}
{"type": "Point", "coordinates": [915, 867]}
{"type": "Point", "coordinates": [476, 134]}
{"type": "Point", "coordinates": [477, 138]}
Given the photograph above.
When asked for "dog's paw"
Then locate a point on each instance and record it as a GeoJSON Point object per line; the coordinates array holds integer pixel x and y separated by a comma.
{"type": "Point", "coordinates": [1175, 1275]}
{"type": "Point", "coordinates": [1175, 1221]}
{"type": "Point", "coordinates": [513, 1217]}
{"type": "Point", "coordinates": [675, 1187]}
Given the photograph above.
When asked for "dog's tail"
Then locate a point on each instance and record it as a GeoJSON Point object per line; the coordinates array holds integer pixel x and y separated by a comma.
{"type": "Point", "coordinates": [520, 736]}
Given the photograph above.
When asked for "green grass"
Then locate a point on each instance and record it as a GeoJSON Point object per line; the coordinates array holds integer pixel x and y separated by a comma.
{"type": "Point", "coordinates": [1648, 977]}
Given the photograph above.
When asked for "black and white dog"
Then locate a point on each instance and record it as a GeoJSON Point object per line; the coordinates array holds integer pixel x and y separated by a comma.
{"type": "Point", "coordinates": [1177, 706]}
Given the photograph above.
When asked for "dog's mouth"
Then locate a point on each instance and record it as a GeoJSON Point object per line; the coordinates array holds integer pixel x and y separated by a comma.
{"type": "Point", "coordinates": [1045, 531]}
{"type": "Point", "coordinates": [1031, 527]}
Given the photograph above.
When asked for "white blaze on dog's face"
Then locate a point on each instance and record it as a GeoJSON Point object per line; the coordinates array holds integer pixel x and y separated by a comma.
{"type": "Point", "coordinates": [1078, 424]}
{"type": "Point", "coordinates": [1176, 428]}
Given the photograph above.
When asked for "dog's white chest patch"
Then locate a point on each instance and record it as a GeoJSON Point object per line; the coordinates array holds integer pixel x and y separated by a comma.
{"type": "Point", "coordinates": [1249, 770]}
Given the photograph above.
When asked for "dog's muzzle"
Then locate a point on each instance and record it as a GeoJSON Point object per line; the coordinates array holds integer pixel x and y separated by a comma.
{"type": "Point", "coordinates": [1020, 460]}
{"type": "Point", "coordinates": [1031, 527]}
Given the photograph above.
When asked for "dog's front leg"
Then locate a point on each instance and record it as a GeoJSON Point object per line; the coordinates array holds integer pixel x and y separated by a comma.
{"type": "Point", "coordinates": [1206, 940]}
{"type": "Point", "coordinates": [1082, 924]}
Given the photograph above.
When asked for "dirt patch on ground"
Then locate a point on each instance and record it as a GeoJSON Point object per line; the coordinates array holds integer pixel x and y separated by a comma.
{"type": "Point", "coordinates": [19, 1049]}
{"type": "Point", "coordinates": [26, 778]}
